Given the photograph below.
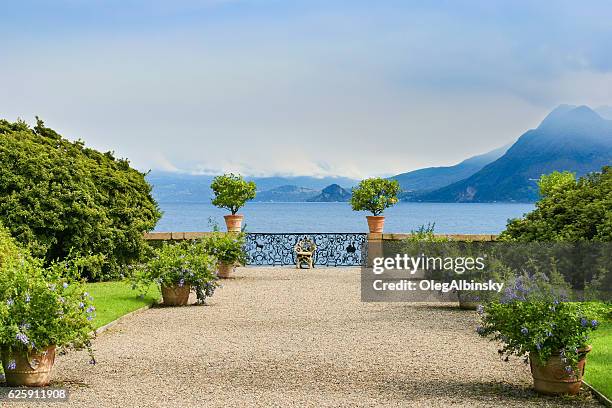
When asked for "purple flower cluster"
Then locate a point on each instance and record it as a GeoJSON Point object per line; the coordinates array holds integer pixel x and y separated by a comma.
{"type": "Point", "coordinates": [22, 338]}
{"type": "Point", "coordinates": [12, 365]}
{"type": "Point", "coordinates": [524, 331]}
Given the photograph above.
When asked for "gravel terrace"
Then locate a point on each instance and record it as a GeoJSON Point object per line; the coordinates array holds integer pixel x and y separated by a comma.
{"type": "Point", "coordinates": [283, 337]}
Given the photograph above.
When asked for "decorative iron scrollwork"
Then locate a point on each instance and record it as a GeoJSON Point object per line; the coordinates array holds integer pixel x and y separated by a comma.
{"type": "Point", "coordinates": [333, 249]}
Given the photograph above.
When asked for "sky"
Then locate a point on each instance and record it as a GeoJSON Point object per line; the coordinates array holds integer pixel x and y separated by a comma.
{"type": "Point", "coordinates": [317, 87]}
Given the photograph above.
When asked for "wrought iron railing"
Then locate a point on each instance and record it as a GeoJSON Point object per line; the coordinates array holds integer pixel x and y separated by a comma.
{"type": "Point", "coordinates": [333, 249]}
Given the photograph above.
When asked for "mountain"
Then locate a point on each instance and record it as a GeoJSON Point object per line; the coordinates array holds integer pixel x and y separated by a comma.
{"type": "Point", "coordinates": [171, 187]}
{"type": "Point", "coordinates": [288, 193]}
{"type": "Point", "coordinates": [332, 193]}
{"type": "Point", "coordinates": [431, 178]}
{"type": "Point", "coordinates": [570, 138]}
{"type": "Point", "coordinates": [605, 112]}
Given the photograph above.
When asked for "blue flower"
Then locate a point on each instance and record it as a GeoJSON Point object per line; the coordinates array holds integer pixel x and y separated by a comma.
{"type": "Point", "coordinates": [27, 298]}
{"type": "Point", "coordinates": [52, 287]}
{"type": "Point", "coordinates": [583, 322]}
{"type": "Point", "coordinates": [181, 282]}
{"type": "Point", "coordinates": [594, 323]}
{"type": "Point", "coordinates": [480, 309]}
{"type": "Point", "coordinates": [538, 346]}
{"type": "Point", "coordinates": [10, 302]}
{"type": "Point", "coordinates": [65, 285]}
{"type": "Point", "coordinates": [90, 309]}
{"type": "Point", "coordinates": [524, 331]}
{"type": "Point", "coordinates": [22, 338]}
{"type": "Point", "coordinates": [548, 333]}
{"type": "Point", "coordinates": [81, 305]}
{"type": "Point", "coordinates": [11, 365]}
{"type": "Point", "coordinates": [568, 369]}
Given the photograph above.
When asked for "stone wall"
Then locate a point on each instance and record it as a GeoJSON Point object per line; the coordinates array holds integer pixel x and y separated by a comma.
{"type": "Point", "coordinates": [179, 236]}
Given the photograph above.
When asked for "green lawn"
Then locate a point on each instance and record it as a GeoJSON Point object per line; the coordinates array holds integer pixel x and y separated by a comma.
{"type": "Point", "coordinates": [115, 299]}
{"type": "Point", "coordinates": [598, 370]}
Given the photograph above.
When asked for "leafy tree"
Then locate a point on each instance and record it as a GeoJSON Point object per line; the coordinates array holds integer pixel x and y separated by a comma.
{"type": "Point", "coordinates": [8, 248]}
{"type": "Point", "coordinates": [375, 195]}
{"type": "Point", "coordinates": [61, 199]}
{"type": "Point", "coordinates": [232, 192]}
{"type": "Point", "coordinates": [569, 210]}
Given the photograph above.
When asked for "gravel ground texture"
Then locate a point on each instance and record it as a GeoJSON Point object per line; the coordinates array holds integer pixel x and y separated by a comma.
{"type": "Point", "coordinates": [286, 337]}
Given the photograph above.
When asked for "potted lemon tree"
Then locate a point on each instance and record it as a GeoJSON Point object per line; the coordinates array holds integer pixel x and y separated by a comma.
{"type": "Point", "coordinates": [375, 195]}
{"type": "Point", "coordinates": [41, 309]}
{"type": "Point", "coordinates": [232, 192]}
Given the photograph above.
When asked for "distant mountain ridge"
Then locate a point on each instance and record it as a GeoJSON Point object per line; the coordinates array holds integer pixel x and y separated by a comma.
{"type": "Point", "coordinates": [288, 193]}
{"type": "Point", "coordinates": [332, 193]}
{"type": "Point", "coordinates": [572, 138]}
{"type": "Point", "coordinates": [181, 187]}
{"type": "Point", "coordinates": [428, 179]}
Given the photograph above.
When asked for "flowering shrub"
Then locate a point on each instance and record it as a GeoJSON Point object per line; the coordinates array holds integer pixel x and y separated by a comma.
{"type": "Point", "coordinates": [534, 316]}
{"type": "Point", "coordinates": [42, 307]}
{"type": "Point", "coordinates": [226, 248]}
{"type": "Point", "coordinates": [183, 263]}
{"type": "Point", "coordinates": [375, 195]}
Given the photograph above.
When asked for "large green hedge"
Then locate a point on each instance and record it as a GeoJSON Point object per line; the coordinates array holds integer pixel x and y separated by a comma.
{"type": "Point", "coordinates": [569, 210]}
{"type": "Point", "coordinates": [8, 248]}
{"type": "Point", "coordinates": [60, 199]}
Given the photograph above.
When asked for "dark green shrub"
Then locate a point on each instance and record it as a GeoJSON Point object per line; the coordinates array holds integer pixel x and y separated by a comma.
{"type": "Point", "coordinates": [569, 210]}
{"type": "Point", "coordinates": [8, 248]}
{"type": "Point", "coordinates": [59, 198]}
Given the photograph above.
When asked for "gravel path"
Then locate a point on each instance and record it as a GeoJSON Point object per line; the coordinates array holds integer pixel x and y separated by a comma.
{"type": "Point", "coordinates": [283, 337]}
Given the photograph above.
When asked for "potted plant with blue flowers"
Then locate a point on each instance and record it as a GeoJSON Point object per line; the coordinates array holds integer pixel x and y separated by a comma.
{"type": "Point", "coordinates": [228, 249]}
{"type": "Point", "coordinates": [536, 321]}
{"type": "Point", "coordinates": [40, 309]}
{"type": "Point", "coordinates": [178, 269]}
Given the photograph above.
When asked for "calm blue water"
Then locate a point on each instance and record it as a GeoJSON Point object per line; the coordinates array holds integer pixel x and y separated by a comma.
{"type": "Point", "coordinates": [450, 218]}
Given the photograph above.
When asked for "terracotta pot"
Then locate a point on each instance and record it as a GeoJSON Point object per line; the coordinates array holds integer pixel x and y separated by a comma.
{"type": "Point", "coordinates": [176, 295]}
{"type": "Point", "coordinates": [376, 223]}
{"type": "Point", "coordinates": [552, 379]}
{"type": "Point", "coordinates": [226, 270]}
{"type": "Point", "coordinates": [233, 222]}
{"type": "Point", "coordinates": [30, 369]}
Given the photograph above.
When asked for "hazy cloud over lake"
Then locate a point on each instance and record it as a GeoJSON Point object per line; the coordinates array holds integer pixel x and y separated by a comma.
{"type": "Point", "coordinates": [351, 88]}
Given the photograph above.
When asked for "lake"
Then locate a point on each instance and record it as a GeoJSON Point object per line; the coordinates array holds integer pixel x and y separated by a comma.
{"type": "Point", "coordinates": [449, 218]}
